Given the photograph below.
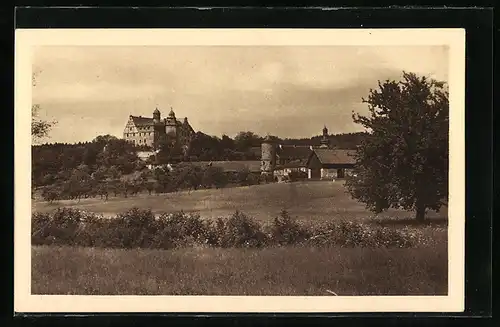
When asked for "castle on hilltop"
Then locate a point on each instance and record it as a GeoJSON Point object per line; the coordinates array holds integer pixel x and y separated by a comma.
{"type": "Point", "coordinates": [147, 131]}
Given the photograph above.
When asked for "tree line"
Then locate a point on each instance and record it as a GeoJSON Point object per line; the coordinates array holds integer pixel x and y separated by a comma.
{"type": "Point", "coordinates": [106, 182]}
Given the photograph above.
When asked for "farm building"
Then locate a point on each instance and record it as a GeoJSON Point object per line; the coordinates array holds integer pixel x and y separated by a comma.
{"type": "Point", "coordinates": [324, 163]}
{"type": "Point", "coordinates": [292, 154]}
{"type": "Point", "coordinates": [321, 162]}
{"type": "Point", "coordinates": [299, 166]}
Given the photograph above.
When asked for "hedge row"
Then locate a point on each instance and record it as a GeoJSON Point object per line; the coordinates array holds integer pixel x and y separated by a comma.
{"type": "Point", "coordinates": [138, 228]}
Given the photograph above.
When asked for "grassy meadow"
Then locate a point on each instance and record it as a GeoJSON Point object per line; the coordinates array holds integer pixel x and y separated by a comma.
{"type": "Point", "coordinates": [285, 270]}
{"type": "Point", "coordinates": [268, 271]}
{"type": "Point", "coordinates": [308, 200]}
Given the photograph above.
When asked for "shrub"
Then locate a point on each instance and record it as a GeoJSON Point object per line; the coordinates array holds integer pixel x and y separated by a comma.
{"type": "Point", "coordinates": [354, 234]}
{"type": "Point", "coordinates": [180, 229]}
{"type": "Point", "coordinates": [40, 228]}
{"type": "Point", "coordinates": [285, 231]}
{"type": "Point", "coordinates": [135, 228]}
{"type": "Point", "coordinates": [241, 231]}
{"type": "Point", "coordinates": [64, 227]}
{"type": "Point", "coordinates": [138, 228]}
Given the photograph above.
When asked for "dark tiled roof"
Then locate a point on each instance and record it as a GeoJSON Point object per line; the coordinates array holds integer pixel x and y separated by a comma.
{"type": "Point", "coordinates": [180, 121]}
{"type": "Point", "coordinates": [142, 121]}
{"type": "Point", "coordinates": [294, 164]}
{"type": "Point", "coordinates": [148, 121]}
{"type": "Point", "coordinates": [294, 152]}
{"type": "Point", "coordinates": [335, 156]}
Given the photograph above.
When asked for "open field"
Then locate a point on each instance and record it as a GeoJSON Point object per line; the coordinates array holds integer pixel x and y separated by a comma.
{"type": "Point", "coordinates": [288, 270]}
{"type": "Point", "coordinates": [308, 200]}
{"type": "Point", "coordinates": [269, 271]}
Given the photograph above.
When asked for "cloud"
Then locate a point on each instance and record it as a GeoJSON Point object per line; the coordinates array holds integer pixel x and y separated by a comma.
{"type": "Point", "coordinates": [289, 91]}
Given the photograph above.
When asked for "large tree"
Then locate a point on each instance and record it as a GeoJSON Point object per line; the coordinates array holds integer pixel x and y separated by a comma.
{"type": "Point", "coordinates": [39, 128]}
{"type": "Point", "coordinates": [403, 161]}
{"type": "Point", "coordinates": [246, 139]}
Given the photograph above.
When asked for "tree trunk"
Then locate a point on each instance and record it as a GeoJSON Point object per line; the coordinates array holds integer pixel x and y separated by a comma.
{"type": "Point", "coordinates": [420, 212]}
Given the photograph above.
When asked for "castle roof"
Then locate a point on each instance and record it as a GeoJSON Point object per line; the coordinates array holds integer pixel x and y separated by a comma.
{"type": "Point", "coordinates": [148, 121]}
{"type": "Point", "coordinates": [142, 121]}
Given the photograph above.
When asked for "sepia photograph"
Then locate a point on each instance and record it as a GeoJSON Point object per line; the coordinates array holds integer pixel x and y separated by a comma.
{"type": "Point", "coordinates": [213, 167]}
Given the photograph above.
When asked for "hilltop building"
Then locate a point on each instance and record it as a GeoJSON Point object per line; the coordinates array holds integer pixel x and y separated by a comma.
{"type": "Point", "coordinates": [148, 131]}
{"type": "Point", "coordinates": [323, 162]}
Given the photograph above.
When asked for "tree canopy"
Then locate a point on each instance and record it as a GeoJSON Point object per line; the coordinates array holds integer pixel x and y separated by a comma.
{"type": "Point", "coordinates": [39, 127]}
{"type": "Point", "coordinates": [403, 161]}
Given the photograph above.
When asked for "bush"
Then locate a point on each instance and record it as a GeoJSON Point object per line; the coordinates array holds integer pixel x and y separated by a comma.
{"type": "Point", "coordinates": [240, 231]}
{"type": "Point", "coordinates": [354, 234]}
{"type": "Point", "coordinates": [63, 227]}
{"type": "Point", "coordinates": [135, 228]}
{"type": "Point", "coordinates": [286, 231]}
{"type": "Point", "coordinates": [179, 229]}
{"type": "Point", "coordinates": [138, 228]}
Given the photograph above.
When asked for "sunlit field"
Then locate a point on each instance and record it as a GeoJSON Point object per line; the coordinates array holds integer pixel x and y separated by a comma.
{"type": "Point", "coordinates": [308, 200]}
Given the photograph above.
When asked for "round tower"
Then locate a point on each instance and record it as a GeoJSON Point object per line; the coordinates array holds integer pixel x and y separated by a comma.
{"type": "Point", "coordinates": [171, 124]}
{"type": "Point", "coordinates": [158, 128]}
{"type": "Point", "coordinates": [156, 116]}
{"type": "Point", "coordinates": [268, 156]}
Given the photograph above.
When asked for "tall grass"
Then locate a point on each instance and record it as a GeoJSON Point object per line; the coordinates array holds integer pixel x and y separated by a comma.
{"type": "Point", "coordinates": [286, 270]}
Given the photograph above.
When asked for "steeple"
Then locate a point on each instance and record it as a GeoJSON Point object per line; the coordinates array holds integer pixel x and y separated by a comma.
{"type": "Point", "coordinates": [325, 142]}
{"type": "Point", "coordinates": [171, 113]}
{"type": "Point", "coordinates": [156, 116]}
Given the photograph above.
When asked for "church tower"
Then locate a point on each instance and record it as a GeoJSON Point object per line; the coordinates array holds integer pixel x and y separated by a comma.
{"type": "Point", "coordinates": [325, 142]}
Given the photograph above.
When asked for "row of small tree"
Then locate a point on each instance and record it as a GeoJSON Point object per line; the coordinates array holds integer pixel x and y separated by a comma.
{"type": "Point", "coordinates": [105, 183]}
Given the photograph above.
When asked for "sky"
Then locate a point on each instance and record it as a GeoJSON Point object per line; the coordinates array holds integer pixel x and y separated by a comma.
{"type": "Point", "coordinates": [287, 91]}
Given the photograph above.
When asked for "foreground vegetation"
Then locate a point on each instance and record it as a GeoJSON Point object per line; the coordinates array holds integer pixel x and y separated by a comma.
{"type": "Point", "coordinates": [138, 228]}
{"type": "Point", "coordinates": [270, 271]}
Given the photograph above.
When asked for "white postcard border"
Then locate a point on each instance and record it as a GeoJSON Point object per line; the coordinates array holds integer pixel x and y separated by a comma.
{"type": "Point", "coordinates": [26, 39]}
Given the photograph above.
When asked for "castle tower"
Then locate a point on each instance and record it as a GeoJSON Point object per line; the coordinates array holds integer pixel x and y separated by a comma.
{"type": "Point", "coordinates": [325, 142]}
{"type": "Point", "coordinates": [268, 148]}
{"type": "Point", "coordinates": [158, 128]}
{"type": "Point", "coordinates": [156, 116]}
{"type": "Point", "coordinates": [171, 124]}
